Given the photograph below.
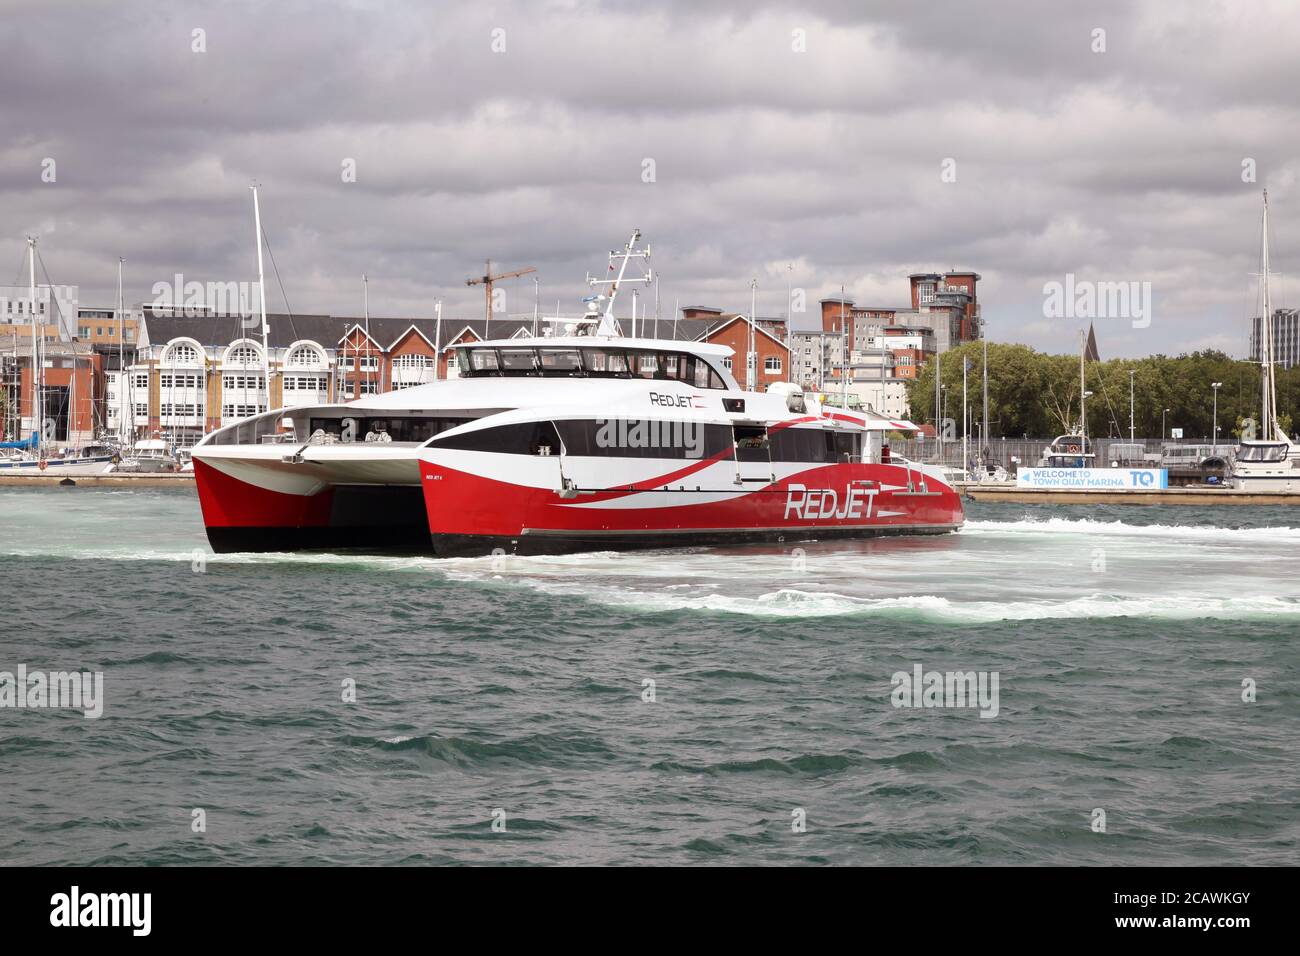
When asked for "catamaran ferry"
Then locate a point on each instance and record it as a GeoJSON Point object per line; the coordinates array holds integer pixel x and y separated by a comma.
{"type": "Point", "coordinates": [555, 444]}
{"type": "Point", "coordinates": [565, 442]}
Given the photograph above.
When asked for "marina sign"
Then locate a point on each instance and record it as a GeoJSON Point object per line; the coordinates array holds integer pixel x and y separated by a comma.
{"type": "Point", "coordinates": [1110, 479]}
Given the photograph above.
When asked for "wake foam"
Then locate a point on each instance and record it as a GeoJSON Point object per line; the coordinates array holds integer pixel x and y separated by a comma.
{"type": "Point", "coordinates": [1092, 527]}
{"type": "Point", "coordinates": [795, 603]}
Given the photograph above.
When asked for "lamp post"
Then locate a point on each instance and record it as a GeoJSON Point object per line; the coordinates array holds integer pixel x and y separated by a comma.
{"type": "Point", "coordinates": [1162, 423]}
{"type": "Point", "coordinates": [1131, 373]}
{"type": "Point", "coordinates": [1214, 441]}
{"type": "Point", "coordinates": [1083, 416]}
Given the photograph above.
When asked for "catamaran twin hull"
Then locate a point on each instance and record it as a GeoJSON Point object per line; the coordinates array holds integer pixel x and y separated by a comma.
{"type": "Point", "coordinates": [564, 444]}
{"type": "Point", "coordinates": [534, 499]}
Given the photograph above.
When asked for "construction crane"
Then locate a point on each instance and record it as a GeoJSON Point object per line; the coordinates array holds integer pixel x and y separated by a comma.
{"type": "Point", "coordinates": [488, 278]}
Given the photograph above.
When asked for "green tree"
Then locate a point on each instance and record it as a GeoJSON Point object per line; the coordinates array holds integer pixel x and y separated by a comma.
{"type": "Point", "coordinates": [1034, 394]}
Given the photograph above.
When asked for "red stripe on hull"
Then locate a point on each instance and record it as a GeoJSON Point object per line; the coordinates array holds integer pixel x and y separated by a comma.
{"type": "Point", "coordinates": [461, 504]}
{"type": "Point", "coordinates": [228, 502]}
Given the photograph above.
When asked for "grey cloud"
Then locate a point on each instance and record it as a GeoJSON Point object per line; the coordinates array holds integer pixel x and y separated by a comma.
{"type": "Point", "coordinates": [1124, 165]}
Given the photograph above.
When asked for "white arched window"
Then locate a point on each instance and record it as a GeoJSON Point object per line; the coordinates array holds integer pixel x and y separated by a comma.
{"type": "Point", "coordinates": [306, 355]}
{"type": "Point", "coordinates": [242, 354]}
{"type": "Point", "coordinates": [182, 353]}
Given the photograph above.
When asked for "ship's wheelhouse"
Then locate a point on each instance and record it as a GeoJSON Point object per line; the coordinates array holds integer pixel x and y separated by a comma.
{"type": "Point", "coordinates": [1273, 452]}
{"type": "Point", "coordinates": [598, 361]}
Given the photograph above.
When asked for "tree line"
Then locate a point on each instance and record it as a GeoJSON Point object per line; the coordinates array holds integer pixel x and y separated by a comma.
{"type": "Point", "coordinates": [1035, 395]}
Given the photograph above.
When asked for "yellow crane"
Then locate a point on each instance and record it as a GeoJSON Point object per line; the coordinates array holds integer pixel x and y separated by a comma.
{"type": "Point", "coordinates": [488, 278]}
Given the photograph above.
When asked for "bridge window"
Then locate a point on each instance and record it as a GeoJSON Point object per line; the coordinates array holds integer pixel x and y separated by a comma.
{"type": "Point", "coordinates": [560, 361]}
{"type": "Point", "coordinates": [595, 362]}
{"type": "Point", "coordinates": [518, 360]}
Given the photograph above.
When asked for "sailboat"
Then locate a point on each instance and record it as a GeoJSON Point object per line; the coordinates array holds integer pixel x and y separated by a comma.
{"type": "Point", "coordinates": [1270, 463]}
{"type": "Point", "coordinates": [1073, 450]}
{"type": "Point", "coordinates": [33, 453]}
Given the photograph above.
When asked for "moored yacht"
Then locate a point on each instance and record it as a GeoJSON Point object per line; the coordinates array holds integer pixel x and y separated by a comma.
{"type": "Point", "coordinates": [149, 456]}
{"type": "Point", "coordinates": [1270, 464]}
{"type": "Point", "coordinates": [1068, 451]}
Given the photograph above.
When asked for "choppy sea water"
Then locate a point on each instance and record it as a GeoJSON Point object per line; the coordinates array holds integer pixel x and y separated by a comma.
{"type": "Point", "coordinates": [516, 691]}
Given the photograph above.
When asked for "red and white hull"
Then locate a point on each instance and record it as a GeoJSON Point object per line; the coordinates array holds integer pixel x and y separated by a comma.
{"type": "Point", "coordinates": [538, 464]}
{"type": "Point", "coordinates": [478, 502]}
{"type": "Point", "coordinates": [253, 500]}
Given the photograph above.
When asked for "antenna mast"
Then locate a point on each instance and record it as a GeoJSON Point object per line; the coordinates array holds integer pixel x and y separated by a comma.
{"type": "Point", "coordinates": [607, 326]}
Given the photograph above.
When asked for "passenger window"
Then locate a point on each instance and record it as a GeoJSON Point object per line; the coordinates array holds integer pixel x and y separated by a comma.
{"type": "Point", "coordinates": [558, 361]}
{"type": "Point", "coordinates": [751, 443]}
{"type": "Point", "coordinates": [525, 438]}
{"type": "Point", "coordinates": [518, 360]}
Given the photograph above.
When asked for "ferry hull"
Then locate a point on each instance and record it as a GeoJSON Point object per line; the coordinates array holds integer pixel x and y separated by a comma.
{"type": "Point", "coordinates": [244, 515]}
{"type": "Point", "coordinates": [472, 515]}
{"type": "Point", "coordinates": [535, 542]}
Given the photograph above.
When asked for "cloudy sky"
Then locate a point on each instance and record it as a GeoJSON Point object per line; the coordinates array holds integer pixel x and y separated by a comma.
{"type": "Point", "coordinates": [802, 142]}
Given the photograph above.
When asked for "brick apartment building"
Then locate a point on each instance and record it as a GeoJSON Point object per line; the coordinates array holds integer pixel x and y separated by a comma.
{"type": "Point", "coordinates": [887, 345]}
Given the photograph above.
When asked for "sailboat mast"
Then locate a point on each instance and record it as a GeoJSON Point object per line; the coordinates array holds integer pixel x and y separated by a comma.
{"type": "Point", "coordinates": [365, 306]}
{"type": "Point", "coordinates": [38, 372]}
{"type": "Point", "coordinates": [751, 354]}
{"type": "Point", "coordinates": [123, 379]}
{"type": "Point", "coordinates": [1083, 414]}
{"type": "Point", "coordinates": [261, 288]}
{"type": "Point", "coordinates": [72, 398]}
{"type": "Point", "coordinates": [437, 338]}
{"type": "Point", "coordinates": [1268, 400]}
{"type": "Point", "coordinates": [844, 356]}
{"type": "Point", "coordinates": [984, 432]}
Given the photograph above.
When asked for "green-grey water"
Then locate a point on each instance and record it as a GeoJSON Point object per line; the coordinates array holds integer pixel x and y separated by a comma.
{"type": "Point", "coordinates": [516, 690]}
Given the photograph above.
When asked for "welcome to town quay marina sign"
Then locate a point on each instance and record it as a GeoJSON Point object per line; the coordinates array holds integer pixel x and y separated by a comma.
{"type": "Point", "coordinates": [1111, 479]}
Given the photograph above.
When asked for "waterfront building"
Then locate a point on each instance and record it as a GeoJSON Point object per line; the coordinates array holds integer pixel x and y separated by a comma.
{"type": "Point", "coordinates": [192, 374]}
{"type": "Point", "coordinates": [57, 309]}
{"type": "Point", "coordinates": [887, 345]}
{"type": "Point", "coordinates": [73, 394]}
{"type": "Point", "coordinates": [1286, 337]}
{"type": "Point", "coordinates": [182, 374]}
{"type": "Point", "coordinates": [98, 326]}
